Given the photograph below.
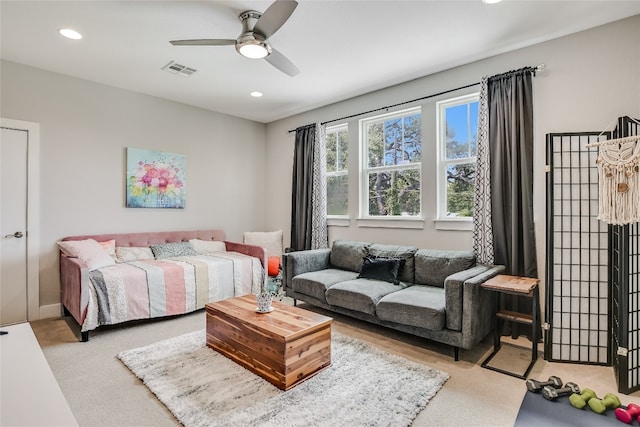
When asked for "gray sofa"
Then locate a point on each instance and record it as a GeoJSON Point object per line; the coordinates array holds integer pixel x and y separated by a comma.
{"type": "Point", "coordinates": [435, 294]}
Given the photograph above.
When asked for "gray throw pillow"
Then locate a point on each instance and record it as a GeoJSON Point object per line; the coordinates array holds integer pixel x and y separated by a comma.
{"type": "Point", "coordinates": [174, 249]}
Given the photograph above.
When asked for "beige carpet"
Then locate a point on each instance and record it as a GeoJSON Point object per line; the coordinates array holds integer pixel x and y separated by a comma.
{"type": "Point", "coordinates": [102, 392]}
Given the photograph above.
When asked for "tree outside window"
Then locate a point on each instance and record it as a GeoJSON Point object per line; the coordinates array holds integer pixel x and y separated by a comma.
{"type": "Point", "coordinates": [458, 136]}
{"type": "Point", "coordinates": [337, 170]}
{"type": "Point", "coordinates": [392, 164]}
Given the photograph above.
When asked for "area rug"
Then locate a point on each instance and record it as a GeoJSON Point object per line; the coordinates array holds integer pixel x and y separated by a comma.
{"type": "Point", "coordinates": [363, 387]}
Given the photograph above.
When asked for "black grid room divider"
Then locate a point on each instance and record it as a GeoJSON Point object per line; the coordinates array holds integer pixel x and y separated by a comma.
{"type": "Point", "coordinates": [625, 285]}
{"type": "Point", "coordinates": [592, 305]}
{"type": "Point", "coordinates": [577, 321]}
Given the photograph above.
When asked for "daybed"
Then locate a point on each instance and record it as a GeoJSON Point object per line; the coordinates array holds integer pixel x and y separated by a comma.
{"type": "Point", "coordinates": [429, 293]}
{"type": "Point", "coordinates": [146, 275]}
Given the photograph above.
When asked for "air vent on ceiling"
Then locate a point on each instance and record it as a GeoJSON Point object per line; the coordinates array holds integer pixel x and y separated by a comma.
{"type": "Point", "coordinates": [182, 70]}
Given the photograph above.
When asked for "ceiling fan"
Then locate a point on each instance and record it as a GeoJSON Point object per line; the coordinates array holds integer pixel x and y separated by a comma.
{"type": "Point", "coordinates": [256, 29]}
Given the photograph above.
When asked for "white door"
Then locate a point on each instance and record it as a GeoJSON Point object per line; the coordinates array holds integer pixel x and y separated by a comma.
{"type": "Point", "coordinates": [19, 221]}
{"type": "Point", "coordinates": [13, 226]}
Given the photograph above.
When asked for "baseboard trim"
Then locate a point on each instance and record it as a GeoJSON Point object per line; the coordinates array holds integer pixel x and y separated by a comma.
{"type": "Point", "coordinates": [49, 311]}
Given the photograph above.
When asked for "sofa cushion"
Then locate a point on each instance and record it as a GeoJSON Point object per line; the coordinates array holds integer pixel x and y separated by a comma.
{"type": "Point", "coordinates": [316, 283]}
{"type": "Point", "coordinates": [379, 268]}
{"type": "Point", "coordinates": [433, 266]}
{"type": "Point", "coordinates": [348, 255]}
{"type": "Point", "coordinates": [419, 306]}
{"type": "Point", "coordinates": [360, 294]}
{"type": "Point", "coordinates": [406, 273]}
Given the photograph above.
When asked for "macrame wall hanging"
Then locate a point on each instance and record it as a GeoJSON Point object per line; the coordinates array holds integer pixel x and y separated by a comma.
{"type": "Point", "coordinates": [618, 166]}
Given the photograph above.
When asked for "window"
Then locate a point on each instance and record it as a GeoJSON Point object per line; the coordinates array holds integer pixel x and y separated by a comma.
{"type": "Point", "coordinates": [457, 142]}
{"type": "Point", "coordinates": [337, 148]}
{"type": "Point", "coordinates": [391, 165]}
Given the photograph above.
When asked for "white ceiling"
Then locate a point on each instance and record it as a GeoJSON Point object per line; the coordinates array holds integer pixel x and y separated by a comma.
{"type": "Point", "coordinates": [343, 48]}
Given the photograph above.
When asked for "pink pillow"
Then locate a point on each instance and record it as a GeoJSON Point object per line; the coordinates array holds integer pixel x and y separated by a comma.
{"type": "Point", "coordinates": [89, 252]}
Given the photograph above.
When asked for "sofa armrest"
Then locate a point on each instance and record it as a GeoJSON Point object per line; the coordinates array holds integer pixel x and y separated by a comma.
{"type": "Point", "coordinates": [454, 295]}
{"type": "Point", "coordinates": [478, 307]}
{"type": "Point", "coordinates": [74, 292]}
{"type": "Point", "coordinates": [295, 263]}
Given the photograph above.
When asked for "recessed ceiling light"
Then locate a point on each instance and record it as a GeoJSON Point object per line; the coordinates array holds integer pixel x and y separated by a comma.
{"type": "Point", "coordinates": [256, 94]}
{"type": "Point", "coordinates": [491, 1]}
{"type": "Point", "coordinates": [70, 34]}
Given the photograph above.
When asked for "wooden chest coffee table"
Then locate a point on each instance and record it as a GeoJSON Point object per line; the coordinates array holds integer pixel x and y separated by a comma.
{"type": "Point", "coordinates": [285, 347]}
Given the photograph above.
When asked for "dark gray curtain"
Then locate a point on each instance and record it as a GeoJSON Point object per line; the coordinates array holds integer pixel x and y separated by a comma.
{"type": "Point", "coordinates": [510, 100]}
{"type": "Point", "coordinates": [302, 189]}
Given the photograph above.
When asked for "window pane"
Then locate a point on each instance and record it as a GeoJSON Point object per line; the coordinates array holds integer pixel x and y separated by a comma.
{"type": "Point", "coordinates": [337, 197]}
{"type": "Point", "coordinates": [394, 193]}
{"type": "Point", "coordinates": [412, 138]}
{"type": "Point", "coordinates": [461, 130]}
{"type": "Point", "coordinates": [393, 146]}
{"type": "Point", "coordinates": [402, 139]}
{"type": "Point", "coordinates": [342, 150]}
{"type": "Point", "coordinates": [331, 142]}
{"type": "Point", "coordinates": [460, 183]}
{"type": "Point", "coordinates": [375, 144]}
{"type": "Point", "coordinates": [457, 144]}
{"type": "Point", "coordinates": [473, 122]}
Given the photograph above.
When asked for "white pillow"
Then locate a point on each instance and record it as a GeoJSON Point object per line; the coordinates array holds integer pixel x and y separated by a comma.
{"type": "Point", "coordinates": [89, 252]}
{"type": "Point", "coordinates": [205, 247]}
{"type": "Point", "coordinates": [270, 240]}
{"type": "Point", "coordinates": [133, 253]}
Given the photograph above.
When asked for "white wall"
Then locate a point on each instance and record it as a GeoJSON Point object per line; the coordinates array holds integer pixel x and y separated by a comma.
{"type": "Point", "coordinates": [84, 129]}
{"type": "Point", "coordinates": [590, 79]}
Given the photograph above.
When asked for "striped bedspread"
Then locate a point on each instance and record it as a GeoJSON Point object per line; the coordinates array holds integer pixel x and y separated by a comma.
{"type": "Point", "coordinates": [154, 288]}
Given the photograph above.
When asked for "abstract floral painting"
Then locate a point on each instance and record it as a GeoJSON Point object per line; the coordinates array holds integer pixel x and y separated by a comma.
{"type": "Point", "coordinates": [155, 179]}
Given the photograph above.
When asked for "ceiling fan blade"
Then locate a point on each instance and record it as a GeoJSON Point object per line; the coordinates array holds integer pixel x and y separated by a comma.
{"type": "Point", "coordinates": [203, 42]}
{"type": "Point", "coordinates": [274, 17]}
{"type": "Point", "coordinates": [279, 61]}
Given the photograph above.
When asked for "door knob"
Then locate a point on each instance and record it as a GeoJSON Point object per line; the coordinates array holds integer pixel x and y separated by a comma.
{"type": "Point", "coordinates": [17, 235]}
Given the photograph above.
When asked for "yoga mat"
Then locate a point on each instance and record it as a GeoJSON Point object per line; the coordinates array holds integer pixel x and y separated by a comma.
{"type": "Point", "coordinates": [535, 411]}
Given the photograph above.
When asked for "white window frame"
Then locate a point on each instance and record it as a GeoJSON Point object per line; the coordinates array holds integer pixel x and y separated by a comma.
{"type": "Point", "coordinates": [390, 221]}
{"type": "Point", "coordinates": [336, 219]}
{"type": "Point", "coordinates": [444, 222]}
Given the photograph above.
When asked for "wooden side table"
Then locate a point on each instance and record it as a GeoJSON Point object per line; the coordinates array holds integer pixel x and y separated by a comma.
{"type": "Point", "coordinates": [522, 286]}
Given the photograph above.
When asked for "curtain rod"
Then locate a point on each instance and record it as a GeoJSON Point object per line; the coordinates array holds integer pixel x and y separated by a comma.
{"type": "Point", "coordinates": [534, 69]}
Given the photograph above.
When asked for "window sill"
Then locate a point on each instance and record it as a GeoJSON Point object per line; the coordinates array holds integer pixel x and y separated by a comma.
{"type": "Point", "coordinates": [458, 224]}
{"type": "Point", "coordinates": [338, 222]}
{"type": "Point", "coordinates": [415, 222]}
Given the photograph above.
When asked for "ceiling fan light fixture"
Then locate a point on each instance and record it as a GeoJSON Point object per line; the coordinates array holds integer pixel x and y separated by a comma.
{"type": "Point", "coordinates": [253, 48]}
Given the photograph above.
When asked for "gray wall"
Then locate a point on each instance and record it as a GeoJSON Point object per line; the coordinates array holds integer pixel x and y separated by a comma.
{"type": "Point", "coordinates": [591, 78]}
{"type": "Point", "coordinates": [84, 129]}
